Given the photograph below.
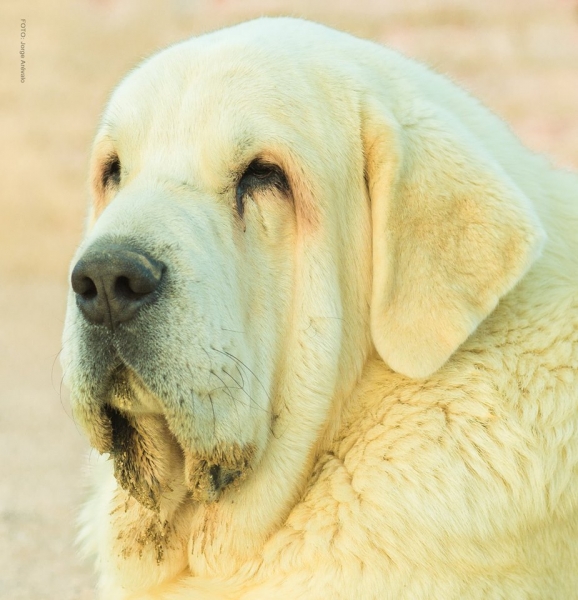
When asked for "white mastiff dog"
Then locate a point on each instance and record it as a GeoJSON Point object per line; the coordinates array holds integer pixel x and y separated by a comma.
{"type": "Point", "coordinates": [324, 327]}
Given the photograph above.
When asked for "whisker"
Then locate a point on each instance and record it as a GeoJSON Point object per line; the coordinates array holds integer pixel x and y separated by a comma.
{"type": "Point", "coordinates": [239, 361]}
{"type": "Point", "coordinates": [234, 401]}
{"type": "Point", "coordinates": [236, 398]}
{"type": "Point", "coordinates": [242, 388]}
{"type": "Point", "coordinates": [52, 369]}
{"type": "Point", "coordinates": [214, 417]}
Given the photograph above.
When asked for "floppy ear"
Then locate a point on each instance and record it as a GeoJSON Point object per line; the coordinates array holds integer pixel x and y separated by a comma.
{"type": "Point", "coordinates": [451, 235]}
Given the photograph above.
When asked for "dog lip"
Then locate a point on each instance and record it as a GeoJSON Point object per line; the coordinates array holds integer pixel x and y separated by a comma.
{"type": "Point", "coordinates": [128, 393]}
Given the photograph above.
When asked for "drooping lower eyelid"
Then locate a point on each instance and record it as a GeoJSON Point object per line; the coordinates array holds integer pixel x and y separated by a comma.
{"type": "Point", "coordinates": [256, 177]}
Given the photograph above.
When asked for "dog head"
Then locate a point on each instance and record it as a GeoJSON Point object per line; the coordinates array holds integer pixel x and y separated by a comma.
{"type": "Point", "coordinates": [269, 204]}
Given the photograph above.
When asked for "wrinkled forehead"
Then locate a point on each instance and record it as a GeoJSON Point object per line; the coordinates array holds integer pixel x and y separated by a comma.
{"type": "Point", "coordinates": [213, 102]}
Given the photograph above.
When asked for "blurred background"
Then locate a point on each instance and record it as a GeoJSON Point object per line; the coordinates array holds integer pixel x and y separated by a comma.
{"type": "Point", "coordinates": [519, 56]}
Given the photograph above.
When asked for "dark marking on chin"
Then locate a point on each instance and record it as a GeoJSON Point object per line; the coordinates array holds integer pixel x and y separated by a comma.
{"type": "Point", "coordinates": [221, 477]}
{"type": "Point", "coordinates": [208, 475]}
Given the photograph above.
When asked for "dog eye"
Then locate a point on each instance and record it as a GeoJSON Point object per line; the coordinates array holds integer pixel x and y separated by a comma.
{"type": "Point", "coordinates": [111, 171]}
{"type": "Point", "coordinates": [258, 175]}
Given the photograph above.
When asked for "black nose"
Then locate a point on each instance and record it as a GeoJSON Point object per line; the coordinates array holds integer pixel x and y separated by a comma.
{"type": "Point", "coordinates": [113, 281]}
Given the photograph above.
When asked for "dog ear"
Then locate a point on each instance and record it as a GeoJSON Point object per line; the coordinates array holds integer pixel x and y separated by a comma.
{"type": "Point", "coordinates": [452, 233]}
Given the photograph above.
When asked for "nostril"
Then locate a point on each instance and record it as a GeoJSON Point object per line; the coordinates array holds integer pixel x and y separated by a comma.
{"type": "Point", "coordinates": [82, 283]}
{"type": "Point", "coordinates": [86, 288]}
{"type": "Point", "coordinates": [131, 289]}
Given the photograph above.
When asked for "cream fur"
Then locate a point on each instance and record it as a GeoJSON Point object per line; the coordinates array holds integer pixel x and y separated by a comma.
{"type": "Point", "coordinates": [404, 330]}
